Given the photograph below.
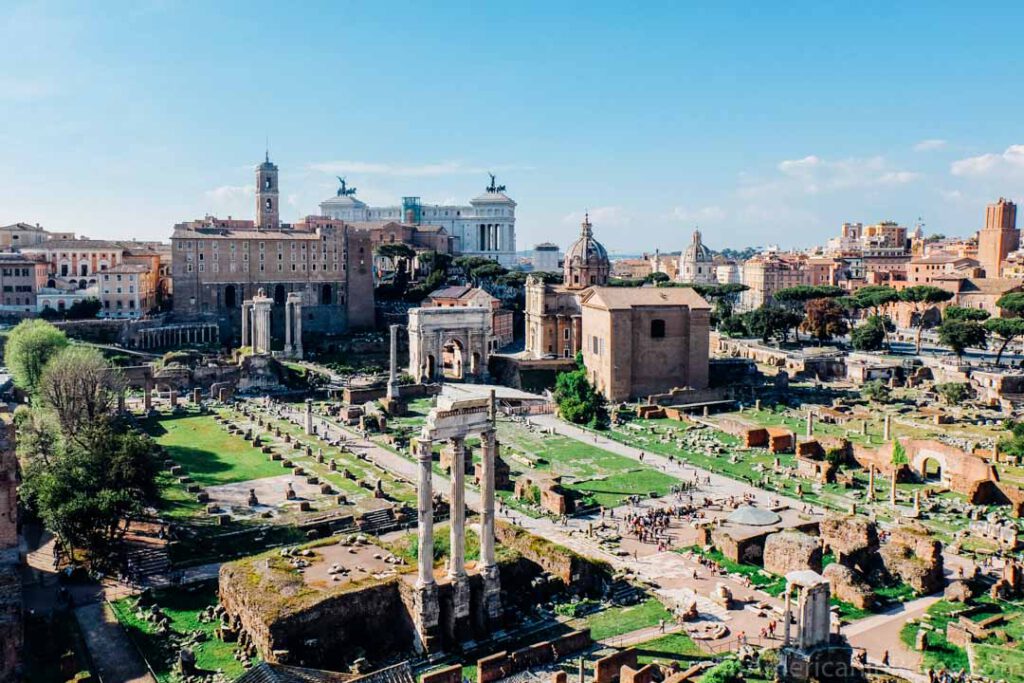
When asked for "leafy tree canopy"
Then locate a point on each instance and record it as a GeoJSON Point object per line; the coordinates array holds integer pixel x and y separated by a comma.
{"type": "Point", "coordinates": [967, 314]}
{"type": "Point", "coordinates": [578, 401]}
{"type": "Point", "coordinates": [1006, 329]}
{"type": "Point", "coordinates": [960, 335]}
{"type": "Point", "coordinates": [30, 346]}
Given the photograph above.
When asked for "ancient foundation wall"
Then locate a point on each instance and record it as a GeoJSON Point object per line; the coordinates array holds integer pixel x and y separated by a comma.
{"type": "Point", "coordinates": [586, 575]}
{"type": "Point", "coordinates": [607, 669]}
{"type": "Point", "coordinates": [503, 664]}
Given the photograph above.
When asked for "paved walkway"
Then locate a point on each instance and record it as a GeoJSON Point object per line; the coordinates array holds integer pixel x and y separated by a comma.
{"type": "Point", "coordinates": [881, 633]}
{"type": "Point", "coordinates": [113, 654]}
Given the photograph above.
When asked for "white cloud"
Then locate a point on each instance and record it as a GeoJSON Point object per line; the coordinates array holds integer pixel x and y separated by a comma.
{"type": "Point", "coordinates": [230, 193]}
{"type": "Point", "coordinates": [815, 175]}
{"type": "Point", "coordinates": [704, 214]}
{"type": "Point", "coordinates": [1010, 161]}
{"type": "Point", "coordinates": [442, 168]}
{"type": "Point", "coordinates": [607, 216]}
{"type": "Point", "coordinates": [21, 90]}
{"type": "Point", "coordinates": [929, 145]}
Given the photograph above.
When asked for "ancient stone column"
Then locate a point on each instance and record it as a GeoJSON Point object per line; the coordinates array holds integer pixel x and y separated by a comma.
{"type": "Point", "coordinates": [246, 323]}
{"type": "Point", "coordinates": [887, 428]}
{"type": "Point", "coordinates": [174, 398]}
{"type": "Point", "coordinates": [892, 489]}
{"type": "Point", "coordinates": [289, 350]}
{"type": "Point", "coordinates": [309, 417]}
{"type": "Point", "coordinates": [147, 398]}
{"type": "Point", "coordinates": [297, 332]}
{"type": "Point", "coordinates": [393, 371]}
{"type": "Point", "coordinates": [810, 423]}
{"type": "Point", "coordinates": [917, 502]}
{"type": "Point", "coordinates": [457, 527]}
{"type": "Point", "coordinates": [425, 597]}
{"type": "Point", "coordinates": [488, 564]}
{"type": "Point", "coordinates": [871, 482]}
{"type": "Point", "coordinates": [456, 565]}
{"type": "Point", "coordinates": [261, 323]}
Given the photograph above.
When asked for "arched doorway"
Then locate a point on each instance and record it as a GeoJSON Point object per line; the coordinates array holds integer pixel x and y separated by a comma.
{"type": "Point", "coordinates": [279, 295]}
{"type": "Point", "coordinates": [230, 297]}
{"type": "Point", "coordinates": [325, 295]}
{"type": "Point", "coordinates": [452, 359]}
{"type": "Point", "coordinates": [931, 470]}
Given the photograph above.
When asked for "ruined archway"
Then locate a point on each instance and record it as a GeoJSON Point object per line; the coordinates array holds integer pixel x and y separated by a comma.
{"type": "Point", "coordinates": [931, 470]}
{"type": "Point", "coordinates": [453, 359]}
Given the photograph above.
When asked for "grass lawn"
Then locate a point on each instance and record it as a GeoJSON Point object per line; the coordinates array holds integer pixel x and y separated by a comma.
{"type": "Point", "coordinates": [668, 648]}
{"type": "Point", "coordinates": [607, 477]}
{"type": "Point", "coordinates": [769, 583]}
{"type": "Point", "coordinates": [999, 662]}
{"type": "Point", "coordinates": [616, 621]}
{"type": "Point", "coordinates": [208, 453]}
{"type": "Point", "coordinates": [940, 653]}
{"type": "Point", "coordinates": [182, 606]}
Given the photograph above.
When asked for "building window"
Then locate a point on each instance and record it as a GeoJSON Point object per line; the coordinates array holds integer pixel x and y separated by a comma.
{"type": "Point", "coordinates": [657, 329]}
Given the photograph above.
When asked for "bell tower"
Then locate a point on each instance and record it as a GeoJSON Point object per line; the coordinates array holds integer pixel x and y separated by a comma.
{"type": "Point", "coordinates": [268, 216]}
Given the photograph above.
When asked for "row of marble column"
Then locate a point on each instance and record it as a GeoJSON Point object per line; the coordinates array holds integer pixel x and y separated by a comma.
{"type": "Point", "coordinates": [256, 330]}
{"type": "Point", "coordinates": [428, 611]}
{"type": "Point", "coordinates": [159, 337]}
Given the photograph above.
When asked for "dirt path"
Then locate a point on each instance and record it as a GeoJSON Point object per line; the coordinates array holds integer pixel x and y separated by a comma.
{"type": "Point", "coordinates": [881, 633]}
{"type": "Point", "coordinates": [113, 653]}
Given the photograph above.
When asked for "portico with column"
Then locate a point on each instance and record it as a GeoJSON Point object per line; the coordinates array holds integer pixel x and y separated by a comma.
{"type": "Point", "coordinates": [261, 308]}
{"type": "Point", "coordinates": [452, 421]}
{"type": "Point", "coordinates": [293, 326]}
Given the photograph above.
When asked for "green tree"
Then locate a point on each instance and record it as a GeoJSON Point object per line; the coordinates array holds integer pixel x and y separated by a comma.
{"type": "Point", "coordinates": [870, 335]}
{"type": "Point", "coordinates": [875, 298]}
{"type": "Point", "coordinates": [81, 388]}
{"type": "Point", "coordinates": [1012, 303]}
{"type": "Point", "coordinates": [771, 321]}
{"type": "Point", "coordinates": [30, 346]}
{"type": "Point", "coordinates": [824, 319]}
{"type": "Point", "coordinates": [899, 454]}
{"type": "Point", "coordinates": [733, 326]}
{"type": "Point", "coordinates": [729, 671]}
{"type": "Point", "coordinates": [953, 393]}
{"type": "Point", "coordinates": [920, 297]}
{"type": "Point", "coordinates": [657, 277]}
{"type": "Point", "coordinates": [85, 309]}
{"type": "Point", "coordinates": [722, 297]}
{"type": "Point", "coordinates": [876, 390]}
{"type": "Point", "coordinates": [960, 335]}
{"type": "Point", "coordinates": [87, 490]}
{"type": "Point", "coordinates": [578, 401]}
{"type": "Point", "coordinates": [965, 314]}
{"type": "Point", "coordinates": [1006, 330]}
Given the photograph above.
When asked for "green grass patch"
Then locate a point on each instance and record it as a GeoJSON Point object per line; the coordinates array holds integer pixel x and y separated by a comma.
{"type": "Point", "coordinates": [940, 653]}
{"type": "Point", "coordinates": [673, 647]}
{"type": "Point", "coordinates": [616, 621]}
{"type": "Point", "coordinates": [208, 453]}
{"type": "Point", "coordinates": [999, 662]}
{"type": "Point", "coordinates": [182, 606]}
{"type": "Point", "coordinates": [769, 583]}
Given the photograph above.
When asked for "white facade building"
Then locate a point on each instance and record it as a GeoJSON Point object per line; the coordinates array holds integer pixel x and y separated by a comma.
{"type": "Point", "coordinates": [547, 258]}
{"type": "Point", "coordinates": [485, 227]}
{"type": "Point", "coordinates": [728, 274]}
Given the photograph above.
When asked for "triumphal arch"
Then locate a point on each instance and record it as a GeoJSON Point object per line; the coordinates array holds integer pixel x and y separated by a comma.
{"type": "Point", "coordinates": [449, 343]}
{"type": "Point", "coordinates": [452, 421]}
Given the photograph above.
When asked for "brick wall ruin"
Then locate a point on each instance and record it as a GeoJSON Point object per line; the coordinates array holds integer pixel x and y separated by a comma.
{"type": "Point", "coordinates": [11, 635]}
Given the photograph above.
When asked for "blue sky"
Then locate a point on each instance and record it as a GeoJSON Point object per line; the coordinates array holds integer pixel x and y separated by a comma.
{"type": "Point", "coordinates": [761, 124]}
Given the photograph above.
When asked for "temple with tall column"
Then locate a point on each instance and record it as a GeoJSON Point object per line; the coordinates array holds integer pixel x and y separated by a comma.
{"type": "Point", "coordinates": [452, 421]}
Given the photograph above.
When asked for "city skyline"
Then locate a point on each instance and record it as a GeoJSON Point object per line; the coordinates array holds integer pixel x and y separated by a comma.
{"type": "Point", "coordinates": [654, 124]}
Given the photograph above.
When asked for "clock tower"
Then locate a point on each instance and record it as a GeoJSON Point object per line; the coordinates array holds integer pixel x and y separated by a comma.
{"type": "Point", "coordinates": [268, 215]}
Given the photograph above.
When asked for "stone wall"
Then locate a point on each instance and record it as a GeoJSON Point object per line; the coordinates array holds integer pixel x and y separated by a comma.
{"type": "Point", "coordinates": [915, 557]}
{"type": "Point", "coordinates": [607, 669]}
{"type": "Point", "coordinates": [853, 539]}
{"type": "Point", "coordinates": [645, 674]}
{"type": "Point", "coordinates": [788, 551]}
{"type": "Point", "coordinates": [11, 635]}
{"type": "Point", "coordinates": [317, 630]}
{"type": "Point", "coordinates": [449, 674]}
{"type": "Point", "coordinates": [504, 664]}
{"type": "Point", "coordinates": [586, 575]}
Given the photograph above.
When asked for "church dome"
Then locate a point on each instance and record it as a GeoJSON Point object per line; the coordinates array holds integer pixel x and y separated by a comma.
{"type": "Point", "coordinates": [697, 252]}
{"type": "Point", "coordinates": [754, 516]}
{"type": "Point", "coordinates": [586, 261]}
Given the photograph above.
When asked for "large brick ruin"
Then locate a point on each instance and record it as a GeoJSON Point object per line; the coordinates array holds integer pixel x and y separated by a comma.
{"type": "Point", "coordinates": [301, 619]}
{"type": "Point", "coordinates": [11, 634]}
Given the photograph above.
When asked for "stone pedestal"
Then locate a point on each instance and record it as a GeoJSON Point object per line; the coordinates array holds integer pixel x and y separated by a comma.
{"type": "Point", "coordinates": [174, 398]}
{"type": "Point", "coordinates": [427, 617]}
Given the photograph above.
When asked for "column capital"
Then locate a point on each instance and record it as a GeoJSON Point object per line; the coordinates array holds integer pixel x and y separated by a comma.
{"type": "Point", "coordinates": [423, 449]}
{"type": "Point", "coordinates": [489, 437]}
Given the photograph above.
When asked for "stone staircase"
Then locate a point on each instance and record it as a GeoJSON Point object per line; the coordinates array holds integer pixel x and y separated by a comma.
{"type": "Point", "coordinates": [622, 592]}
{"type": "Point", "coordinates": [375, 520]}
{"type": "Point", "coordinates": [149, 561]}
